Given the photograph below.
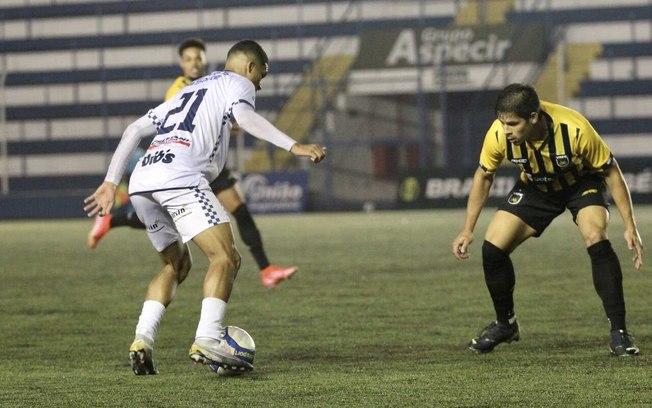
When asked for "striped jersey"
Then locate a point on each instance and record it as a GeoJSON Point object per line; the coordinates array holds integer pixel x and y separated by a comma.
{"type": "Point", "coordinates": [193, 130]}
{"type": "Point", "coordinates": [178, 84]}
{"type": "Point", "coordinates": [571, 150]}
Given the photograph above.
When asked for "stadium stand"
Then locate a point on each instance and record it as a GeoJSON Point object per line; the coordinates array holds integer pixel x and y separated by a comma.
{"type": "Point", "coordinates": [74, 73]}
{"type": "Point", "coordinates": [608, 52]}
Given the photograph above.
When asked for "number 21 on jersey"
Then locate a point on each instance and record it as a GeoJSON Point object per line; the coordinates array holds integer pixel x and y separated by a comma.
{"type": "Point", "coordinates": [186, 124]}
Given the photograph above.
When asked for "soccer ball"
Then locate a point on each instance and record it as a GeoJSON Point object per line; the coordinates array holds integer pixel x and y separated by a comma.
{"type": "Point", "coordinates": [243, 346]}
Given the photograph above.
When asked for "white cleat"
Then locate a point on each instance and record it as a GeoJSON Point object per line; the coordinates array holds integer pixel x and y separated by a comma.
{"type": "Point", "coordinates": [217, 352]}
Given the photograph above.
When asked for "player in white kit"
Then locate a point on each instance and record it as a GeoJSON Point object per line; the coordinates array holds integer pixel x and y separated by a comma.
{"type": "Point", "coordinates": [170, 191]}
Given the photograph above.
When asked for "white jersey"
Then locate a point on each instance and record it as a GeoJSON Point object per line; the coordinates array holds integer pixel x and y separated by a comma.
{"type": "Point", "coordinates": [193, 131]}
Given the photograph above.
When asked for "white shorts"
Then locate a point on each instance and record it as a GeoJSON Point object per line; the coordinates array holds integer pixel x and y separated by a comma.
{"type": "Point", "coordinates": [171, 215]}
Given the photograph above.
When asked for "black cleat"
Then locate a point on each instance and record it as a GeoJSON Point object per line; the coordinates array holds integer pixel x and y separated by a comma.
{"type": "Point", "coordinates": [493, 335]}
{"type": "Point", "coordinates": [622, 344]}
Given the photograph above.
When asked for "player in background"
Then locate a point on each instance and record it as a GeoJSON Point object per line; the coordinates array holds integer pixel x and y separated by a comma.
{"type": "Point", "coordinates": [171, 194]}
{"type": "Point", "coordinates": [192, 60]}
{"type": "Point", "coordinates": [564, 164]}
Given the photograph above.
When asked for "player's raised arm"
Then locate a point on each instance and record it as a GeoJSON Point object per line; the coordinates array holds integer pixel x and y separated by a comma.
{"type": "Point", "coordinates": [261, 128]}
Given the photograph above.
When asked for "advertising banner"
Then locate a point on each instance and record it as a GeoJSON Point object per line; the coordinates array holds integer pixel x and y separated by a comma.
{"type": "Point", "coordinates": [468, 55]}
{"type": "Point", "coordinates": [275, 192]}
{"type": "Point", "coordinates": [443, 188]}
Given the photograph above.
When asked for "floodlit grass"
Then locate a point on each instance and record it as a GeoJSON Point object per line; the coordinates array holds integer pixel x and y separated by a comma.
{"type": "Point", "coordinates": [379, 315]}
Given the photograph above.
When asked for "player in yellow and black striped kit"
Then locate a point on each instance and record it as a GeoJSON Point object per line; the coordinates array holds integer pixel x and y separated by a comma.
{"type": "Point", "coordinates": [564, 164]}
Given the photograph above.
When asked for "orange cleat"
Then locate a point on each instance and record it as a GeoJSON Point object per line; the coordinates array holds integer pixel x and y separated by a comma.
{"type": "Point", "coordinates": [100, 228]}
{"type": "Point", "coordinates": [273, 275]}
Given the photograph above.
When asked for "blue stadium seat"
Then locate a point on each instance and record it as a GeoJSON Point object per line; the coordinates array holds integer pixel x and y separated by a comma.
{"type": "Point", "coordinates": [582, 15]}
{"type": "Point", "coordinates": [128, 7]}
{"type": "Point", "coordinates": [88, 145]}
{"type": "Point", "coordinates": [52, 184]}
{"type": "Point", "coordinates": [637, 49]}
{"type": "Point", "coordinates": [131, 108]}
{"type": "Point", "coordinates": [122, 74]}
{"type": "Point", "coordinates": [223, 34]}
{"type": "Point", "coordinates": [592, 88]}
{"type": "Point", "coordinates": [622, 125]}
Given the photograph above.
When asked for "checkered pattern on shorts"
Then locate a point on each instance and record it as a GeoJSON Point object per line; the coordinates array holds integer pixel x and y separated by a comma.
{"type": "Point", "coordinates": [206, 206]}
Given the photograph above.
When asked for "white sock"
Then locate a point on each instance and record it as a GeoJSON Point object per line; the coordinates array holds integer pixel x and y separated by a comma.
{"type": "Point", "coordinates": [213, 311]}
{"type": "Point", "coordinates": [150, 319]}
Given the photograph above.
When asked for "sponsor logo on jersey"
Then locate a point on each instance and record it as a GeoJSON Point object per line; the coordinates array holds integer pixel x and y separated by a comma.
{"type": "Point", "coordinates": [168, 140]}
{"type": "Point", "coordinates": [522, 160]}
{"type": "Point", "coordinates": [539, 179]}
{"type": "Point", "coordinates": [158, 156]}
{"type": "Point", "coordinates": [515, 198]}
{"type": "Point", "coordinates": [590, 191]}
{"type": "Point", "coordinates": [562, 161]}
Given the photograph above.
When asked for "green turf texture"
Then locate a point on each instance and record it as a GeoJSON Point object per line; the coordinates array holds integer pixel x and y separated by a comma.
{"type": "Point", "coordinates": [379, 315]}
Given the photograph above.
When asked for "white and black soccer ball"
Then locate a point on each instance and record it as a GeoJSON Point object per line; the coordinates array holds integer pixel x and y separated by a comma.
{"type": "Point", "coordinates": [243, 347]}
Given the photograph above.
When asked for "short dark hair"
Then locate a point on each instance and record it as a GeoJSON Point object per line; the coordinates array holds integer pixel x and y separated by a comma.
{"type": "Point", "coordinates": [249, 47]}
{"type": "Point", "coordinates": [192, 43]}
{"type": "Point", "coordinates": [520, 99]}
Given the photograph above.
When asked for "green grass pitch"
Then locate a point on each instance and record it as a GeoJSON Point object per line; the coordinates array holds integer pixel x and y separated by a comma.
{"type": "Point", "coordinates": [379, 315]}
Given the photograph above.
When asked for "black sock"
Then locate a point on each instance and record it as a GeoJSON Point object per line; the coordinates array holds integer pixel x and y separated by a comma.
{"type": "Point", "coordinates": [133, 221]}
{"type": "Point", "coordinates": [500, 280]}
{"type": "Point", "coordinates": [126, 218]}
{"type": "Point", "coordinates": [608, 282]}
{"type": "Point", "coordinates": [250, 235]}
{"type": "Point", "coordinates": [119, 220]}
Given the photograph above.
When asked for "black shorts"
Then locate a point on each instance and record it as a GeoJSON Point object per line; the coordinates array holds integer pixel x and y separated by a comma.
{"type": "Point", "coordinates": [223, 182]}
{"type": "Point", "coordinates": [537, 209]}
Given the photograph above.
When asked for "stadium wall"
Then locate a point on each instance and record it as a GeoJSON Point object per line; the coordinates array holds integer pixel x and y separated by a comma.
{"type": "Point", "coordinates": [76, 73]}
